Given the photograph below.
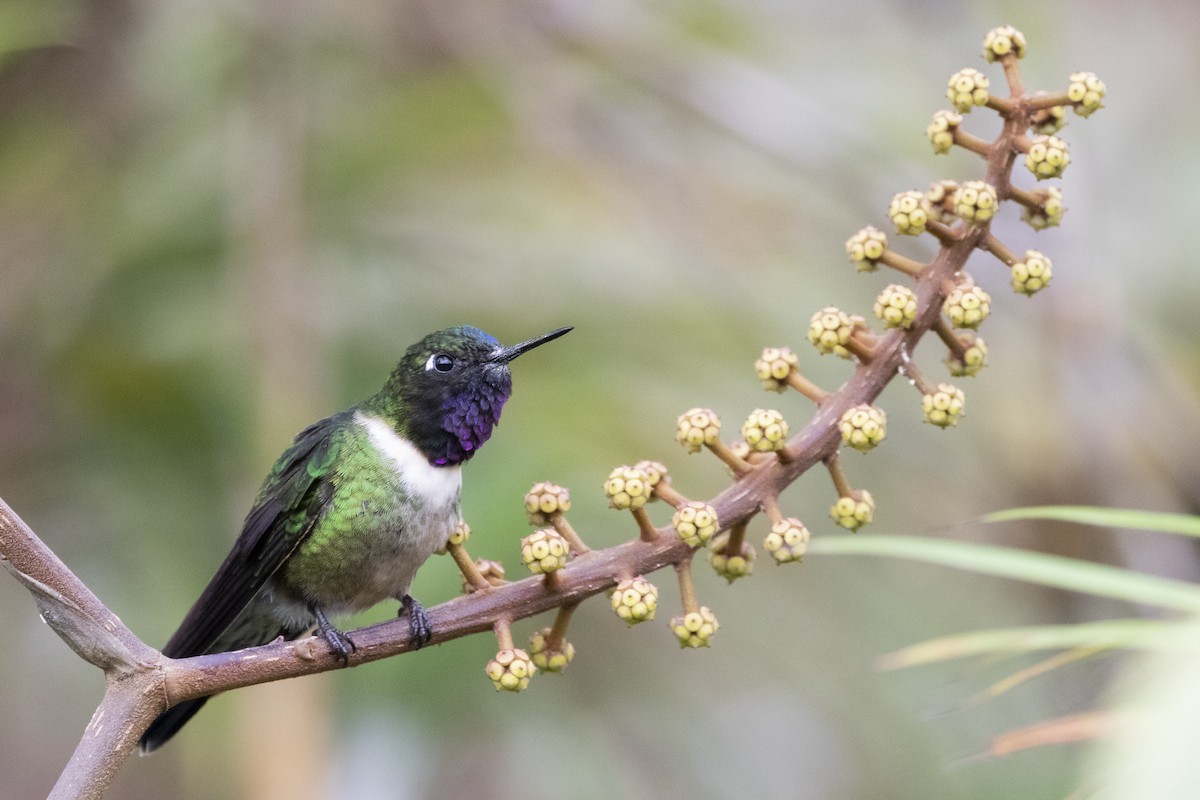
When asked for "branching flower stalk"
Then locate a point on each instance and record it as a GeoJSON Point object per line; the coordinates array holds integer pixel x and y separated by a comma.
{"type": "Point", "coordinates": [142, 683]}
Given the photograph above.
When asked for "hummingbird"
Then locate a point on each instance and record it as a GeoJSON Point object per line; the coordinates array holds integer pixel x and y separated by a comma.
{"type": "Point", "coordinates": [353, 508]}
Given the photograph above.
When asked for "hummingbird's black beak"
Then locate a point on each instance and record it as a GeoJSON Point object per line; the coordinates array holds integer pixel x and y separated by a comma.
{"type": "Point", "coordinates": [509, 353]}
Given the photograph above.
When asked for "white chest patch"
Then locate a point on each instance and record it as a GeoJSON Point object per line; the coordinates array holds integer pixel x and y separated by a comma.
{"type": "Point", "coordinates": [439, 486]}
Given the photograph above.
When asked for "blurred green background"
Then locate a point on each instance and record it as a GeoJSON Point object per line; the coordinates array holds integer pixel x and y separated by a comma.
{"type": "Point", "coordinates": [220, 221]}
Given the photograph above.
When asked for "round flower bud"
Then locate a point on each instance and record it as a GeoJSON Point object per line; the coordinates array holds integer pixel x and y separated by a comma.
{"type": "Point", "coordinates": [511, 670]}
{"type": "Point", "coordinates": [544, 551]}
{"type": "Point", "coordinates": [787, 541]}
{"type": "Point", "coordinates": [1048, 121]}
{"type": "Point", "coordinates": [765, 430]}
{"type": "Point", "coordinates": [655, 471]}
{"type": "Point", "coordinates": [544, 500]}
{"type": "Point", "coordinates": [492, 572]}
{"type": "Point", "coordinates": [1031, 275]}
{"type": "Point", "coordinates": [1086, 91]}
{"type": "Point", "coordinates": [941, 130]}
{"type": "Point", "coordinates": [852, 512]}
{"type": "Point", "coordinates": [896, 305]}
{"type": "Point", "coordinates": [940, 196]}
{"type": "Point", "coordinates": [866, 247]}
{"type": "Point", "coordinates": [967, 306]}
{"type": "Point", "coordinates": [697, 427]}
{"type": "Point", "coordinates": [695, 523]}
{"type": "Point", "coordinates": [999, 42]}
{"type": "Point", "coordinates": [634, 600]}
{"type": "Point", "coordinates": [731, 566]}
{"type": "Point", "coordinates": [774, 366]}
{"type": "Point", "coordinates": [943, 406]}
{"type": "Point", "coordinates": [1049, 213]}
{"type": "Point", "coordinates": [829, 330]}
{"type": "Point", "coordinates": [975, 201]}
{"type": "Point", "coordinates": [968, 88]}
{"type": "Point", "coordinates": [909, 212]}
{"type": "Point", "coordinates": [460, 534]}
{"type": "Point", "coordinates": [863, 427]}
{"type": "Point", "coordinates": [974, 358]}
{"type": "Point", "coordinates": [548, 660]}
{"type": "Point", "coordinates": [696, 628]}
{"type": "Point", "coordinates": [1048, 156]}
{"type": "Point", "coordinates": [627, 488]}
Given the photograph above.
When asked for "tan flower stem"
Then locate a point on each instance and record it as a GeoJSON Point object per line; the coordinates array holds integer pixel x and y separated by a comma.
{"type": "Point", "coordinates": [559, 522]}
{"type": "Point", "coordinates": [668, 494]}
{"type": "Point", "coordinates": [645, 526]}
{"type": "Point", "coordinates": [687, 588]}
{"type": "Point", "coordinates": [942, 232]}
{"type": "Point", "coordinates": [737, 537]}
{"type": "Point", "coordinates": [997, 248]}
{"type": "Point", "coordinates": [771, 509]}
{"type": "Point", "coordinates": [558, 632]}
{"type": "Point", "coordinates": [904, 264]}
{"type": "Point", "coordinates": [786, 454]}
{"type": "Point", "coordinates": [806, 387]}
{"type": "Point", "coordinates": [861, 350]}
{"type": "Point", "coordinates": [911, 372]}
{"type": "Point", "coordinates": [1016, 84]}
{"type": "Point", "coordinates": [1022, 143]}
{"type": "Point", "coordinates": [503, 631]}
{"type": "Point", "coordinates": [732, 459]}
{"type": "Point", "coordinates": [1001, 105]}
{"type": "Point", "coordinates": [1038, 102]}
{"type": "Point", "coordinates": [972, 143]}
{"type": "Point", "coordinates": [552, 581]}
{"type": "Point", "coordinates": [840, 482]}
{"type": "Point", "coordinates": [952, 339]}
{"type": "Point", "coordinates": [466, 566]}
{"type": "Point", "coordinates": [1027, 199]}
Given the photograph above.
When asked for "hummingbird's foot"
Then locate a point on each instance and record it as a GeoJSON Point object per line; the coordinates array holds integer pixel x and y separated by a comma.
{"type": "Point", "coordinates": [422, 632]}
{"type": "Point", "coordinates": [339, 641]}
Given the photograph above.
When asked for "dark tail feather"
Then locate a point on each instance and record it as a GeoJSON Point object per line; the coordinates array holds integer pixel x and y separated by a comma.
{"type": "Point", "coordinates": [168, 724]}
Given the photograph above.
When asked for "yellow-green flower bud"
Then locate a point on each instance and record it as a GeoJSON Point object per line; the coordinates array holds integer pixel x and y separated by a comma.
{"type": "Point", "coordinates": [1049, 213]}
{"type": "Point", "coordinates": [697, 427]}
{"type": "Point", "coordinates": [765, 430]}
{"type": "Point", "coordinates": [896, 305]}
{"type": "Point", "coordinates": [511, 670]}
{"type": "Point", "coordinates": [1048, 156]}
{"type": "Point", "coordinates": [774, 366]}
{"type": "Point", "coordinates": [1086, 91]}
{"type": "Point", "coordinates": [695, 523]}
{"type": "Point", "coordinates": [627, 488]}
{"type": "Point", "coordinates": [940, 196]}
{"type": "Point", "coordinates": [1001, 41]}
{"type": "Point", "coordinates": [544, 500]}
{"type": "Point", "coordinates": [829, 330]}
{"type": "Point", "coordinates": [731, 566]}
{"type": "Point", "coordinates": [866, 247]}
{"type": "Point", "coordinates": [1031, 275]}
{"type": "Point", "coordinates": [853, 511]}
{"type": "Point", "coordinates": [544, 551]}
{"type": "Point", "coordinates": [863, 427]}
{"type": "Point", "coordinates": [655, 471]}
{"type": "Point", "coordinates": [696, 628]}
{"type": "Point", "coordinates": [941, 130]}
{"type": "Point", "coordinates": [546, 659]}
{"type": "Point", "coordinates": [460, 534]}
{"type": "Point", "coordinates": [909, 212]}
{"type": "Point", "coordinates": [1047, 121]}
{"type": "Point", "coordinates": [944, 406]}
{"type": "Point", "coordinates": [787, 541]}
{"type": "Point", "coordinates": [976, 201]}
{"type": "Point", "coordinates": [634, 600]}
{"type": "Point", "coordinates": [968, 88]}
{"type": "Point", "coordinates": [974, 358]}
{"type": "Point", "coordinates": [967, 306]}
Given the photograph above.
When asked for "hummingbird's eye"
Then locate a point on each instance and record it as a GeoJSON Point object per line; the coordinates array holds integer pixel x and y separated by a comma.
{"type": "Point", "coordinates": [439, 362]}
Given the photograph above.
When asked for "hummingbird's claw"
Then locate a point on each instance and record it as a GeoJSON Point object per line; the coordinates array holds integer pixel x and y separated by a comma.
{"type": "Point", "coordinates": [422, 632]}
{"type": "Point", "coordinates": [340, 642]}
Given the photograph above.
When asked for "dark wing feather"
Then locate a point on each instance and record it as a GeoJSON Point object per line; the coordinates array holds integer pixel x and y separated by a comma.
{"type": "Point", "coordinates": [291, 501]}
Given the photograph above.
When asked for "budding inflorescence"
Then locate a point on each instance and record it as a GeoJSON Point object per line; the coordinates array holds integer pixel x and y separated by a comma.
{"type": "Point", "coordinates": [967, 306]}
{"type": "Point", "coordinates": [1048, 156]}
{"type": "Point", "coordinates": [1046, 210]}
{"type": "Point", "coordinates": [866, 247]}
{"type": "Point", "coordinates": [830, 330]}
{"type": "Point", "coordinates": [511, 670]}
{"type": "Point", "coordinates": [909, 212]}
{"type": "Point", "coordinates": [695, 628]}
{"type": "Point", "coordinates": [1031, 274]}
{"type": "Point", "coordinates": [635, 600]}
{"type": "Point", "coordinates": [941, 130]}
{"type": "Point", "coordinates": [971, 359]}
{"type": "Point", "coordinates": [896, 305]}
{"type": "Point", "coordinates": [548, 656]}
{"type": "Point", "coordinates": [544, 551]}
{"type": "Point", "coordinates": [627, 488]}
{"type": "Point", "coordinates": [696, 523]}
{"type": "Point", "coordinates": [774, 366]}
{"type": "Point", "coordinates": [1003, 41]}
{"type": "Point", "coordinates": [943, 406]}
{"type": "Point", "coordinates": [730, 558]}
{"type": "Point", "coordinates": [545, 499]}
{"type": "Point", "coordinates": [968, 88]}
{"type": "Point", "coordinates": [863, 427]}
{"type": "Point", "coordinates": [765, 431]}
{"type": "Point", "coordinates": [853, 510]}
{"type": "Point", "coordinates": [787, 541]}
{"type": "Point", "coordinates": [1086, 92]}
{"type": "Point", "coordinates": [698, 427]}
{"type": "Point", "coordinates": [975, 201]}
